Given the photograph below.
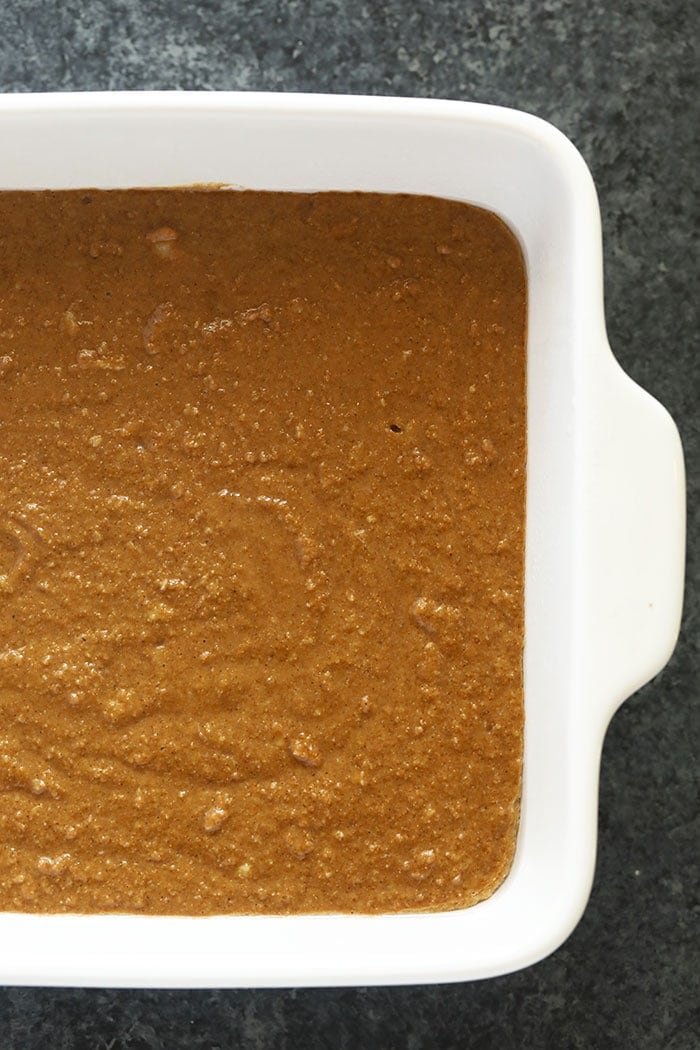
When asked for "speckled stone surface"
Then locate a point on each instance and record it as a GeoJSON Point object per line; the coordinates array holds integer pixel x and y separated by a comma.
{"type": "Point", "coordinates": [621, 80]}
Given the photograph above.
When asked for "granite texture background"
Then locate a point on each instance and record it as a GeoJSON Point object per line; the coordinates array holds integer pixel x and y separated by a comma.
{"type": "Point", "coordinates": [620, 77]}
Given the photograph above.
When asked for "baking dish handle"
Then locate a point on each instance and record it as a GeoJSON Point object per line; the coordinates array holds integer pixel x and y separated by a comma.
{"type": "Point", "coordinates": [633, 520]}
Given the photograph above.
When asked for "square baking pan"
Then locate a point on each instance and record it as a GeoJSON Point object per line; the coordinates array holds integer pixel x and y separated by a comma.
{"type": "Point", "coordinates": [604, 529]}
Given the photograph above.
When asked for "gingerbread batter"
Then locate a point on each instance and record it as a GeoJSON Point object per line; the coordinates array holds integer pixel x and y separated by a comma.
{"type": "Point", "coordinates": [262, 481]}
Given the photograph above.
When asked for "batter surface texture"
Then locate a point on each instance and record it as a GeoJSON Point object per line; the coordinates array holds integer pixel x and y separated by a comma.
{"type": "Point", "coordinates": [262, 482]}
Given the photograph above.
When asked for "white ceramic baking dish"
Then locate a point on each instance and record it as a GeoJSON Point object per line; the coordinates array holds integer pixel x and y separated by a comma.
{"type": "Point", "coordinates": [605, 512]}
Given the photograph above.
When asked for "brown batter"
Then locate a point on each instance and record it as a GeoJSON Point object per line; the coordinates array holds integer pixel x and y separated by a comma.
{"type": "Point", "coordinates": [261, 551]}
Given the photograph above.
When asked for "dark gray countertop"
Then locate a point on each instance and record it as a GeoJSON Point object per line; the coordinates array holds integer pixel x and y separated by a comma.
{"type": "Point", "coordinates": [620, 78]}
